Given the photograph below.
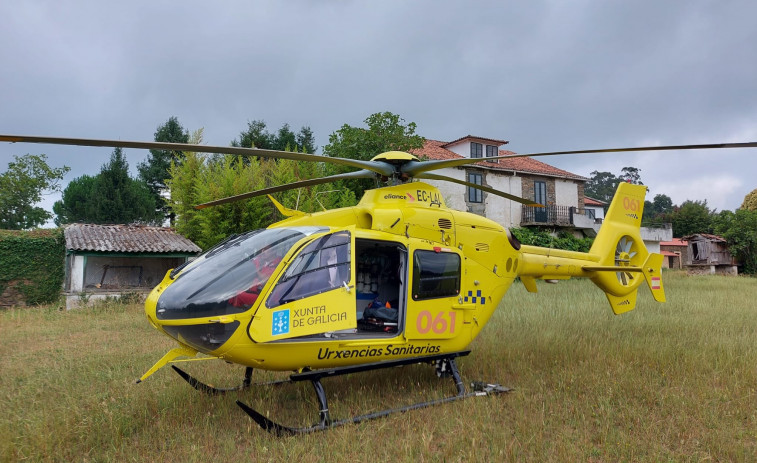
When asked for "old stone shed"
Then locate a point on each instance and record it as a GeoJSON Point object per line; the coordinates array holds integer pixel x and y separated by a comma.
{"type": "Point", "coordinates": [113, 260]}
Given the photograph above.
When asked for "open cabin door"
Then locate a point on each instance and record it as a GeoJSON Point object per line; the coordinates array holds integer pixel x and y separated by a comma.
{"type": "Point", "coordinates": [314, 295]}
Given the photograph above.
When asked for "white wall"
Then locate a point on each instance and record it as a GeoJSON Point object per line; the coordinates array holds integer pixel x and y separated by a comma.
{"type": "Point", "coordinates": [453, 194]}
{"type": "Point", "coordinates": [599, 211]}
{"type": "Point", "coordinates": [463, 149]}
{"type": "Point", "coordinates": [499, 209]}
{"type": "Point", "coordinates": [566, 193]}
{"type": "Point", "coordinates": [77, 273]}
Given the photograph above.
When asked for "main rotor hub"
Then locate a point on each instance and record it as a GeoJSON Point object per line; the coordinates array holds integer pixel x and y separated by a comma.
{"type": "Point", "coordinates": [395, 157]}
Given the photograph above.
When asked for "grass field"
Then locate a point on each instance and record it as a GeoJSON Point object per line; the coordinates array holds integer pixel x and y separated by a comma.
{"type": "Point", "coordinates": [666, 382]}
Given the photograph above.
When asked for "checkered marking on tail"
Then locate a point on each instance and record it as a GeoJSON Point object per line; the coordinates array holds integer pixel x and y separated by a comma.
{"type": "Point", "coordinates": [478, 298]}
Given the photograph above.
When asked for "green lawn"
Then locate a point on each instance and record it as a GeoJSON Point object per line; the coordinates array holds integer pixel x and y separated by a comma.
{"type": "Point", "coordinates": [666, 382]}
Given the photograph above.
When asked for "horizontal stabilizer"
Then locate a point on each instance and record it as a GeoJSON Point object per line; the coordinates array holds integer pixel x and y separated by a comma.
{"type": "Point", "coordinates": [611, 268]}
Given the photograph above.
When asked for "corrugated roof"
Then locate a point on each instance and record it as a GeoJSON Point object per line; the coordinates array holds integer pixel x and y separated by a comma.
{"type": "Point", "coordinates": [126, 238]}
{"type": "Point", "coordinates": [707, 236]}
{"type": "Point", "coordinates": [434, 149]}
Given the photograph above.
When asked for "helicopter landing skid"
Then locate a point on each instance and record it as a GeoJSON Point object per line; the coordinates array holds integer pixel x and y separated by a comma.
{"type": "Point", "coordinates": [325, 421]}
{"type": "Point", "coordinates": [212, 390]}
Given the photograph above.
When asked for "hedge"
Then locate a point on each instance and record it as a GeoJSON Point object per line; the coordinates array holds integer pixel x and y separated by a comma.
{"type": "Point", "coordinates": [33, 263]}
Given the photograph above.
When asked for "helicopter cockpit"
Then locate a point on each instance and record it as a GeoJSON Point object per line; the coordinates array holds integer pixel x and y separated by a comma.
{"type": "Point", "coordinates": [230, 278]}
{"type": "Point", "coordinates": [235, 267]}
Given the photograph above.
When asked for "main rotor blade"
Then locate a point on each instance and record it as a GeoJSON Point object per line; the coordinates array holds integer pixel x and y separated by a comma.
{"type": "Point", "coordinates": [487, 189]}
{"type": "Point", "coordinates": [289, 186]}
{"type": "Point", "coordinates": [379, 168]}
{"type": "Point", "coordinates": [414, 168]}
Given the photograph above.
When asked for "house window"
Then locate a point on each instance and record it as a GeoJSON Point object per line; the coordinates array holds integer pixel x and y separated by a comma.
{"type": "Point", "coordinates": [476, 150]}
{"type": "Point", "coordinates": [491, 151]}
{"type": "Point", "coordinates": [474, 194]}
{"type": "Point", "coordinates": [540, 193]}
{"type": "Point", "coordinates": [591, 213]}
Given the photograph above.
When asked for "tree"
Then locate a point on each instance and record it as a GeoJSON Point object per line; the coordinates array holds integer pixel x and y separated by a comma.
{"type": "Point", "coordinates": [110, 197]}
{"type": "Point", "coordinates": [21, 187]}
{"type": "Point", "coordinates": [306, 140]}
{"type": "Point", "coordinates": [740, 231]}
{"type": "Point", "coordinates": [750, 201]}
{"type": "Point", "coordinates": [386, 132]}
{"type": "Point", "coordinates": [76, 203]}
{"type": "Point", "coordinates": [154, 171]}
{"type": "Point", "coordinates": [202, 178]}
{"type": "Point", "coordinates": [691, 217]}
{"type": "Point", "coordinates": [257, 136]}
{"type": "Point", "coordinates": [657, 211]}
{"type": "Point", "coordinates": [631, 175]}
{"type": "Point", "coordinates": [601, 186]}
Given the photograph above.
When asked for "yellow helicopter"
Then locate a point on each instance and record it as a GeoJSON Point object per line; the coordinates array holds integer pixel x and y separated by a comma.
{"type": "Point", "coordinates": [399, 278]}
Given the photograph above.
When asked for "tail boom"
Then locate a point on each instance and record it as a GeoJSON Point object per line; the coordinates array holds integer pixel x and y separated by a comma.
{"type": "Point", "coordinates": [617, 259]}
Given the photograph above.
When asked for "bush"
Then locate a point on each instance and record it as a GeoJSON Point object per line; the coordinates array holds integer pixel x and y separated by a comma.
{"type": "Point", "coordinates": [33, 263]}
{"type": "Point", "coordinates": [543, 238]}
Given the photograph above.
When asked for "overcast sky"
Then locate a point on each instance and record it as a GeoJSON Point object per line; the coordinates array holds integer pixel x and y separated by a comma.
{"type": "Point", "coordinates": [545, 75]}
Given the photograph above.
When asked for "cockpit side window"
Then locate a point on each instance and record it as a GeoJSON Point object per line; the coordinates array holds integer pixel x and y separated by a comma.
{"type": "Point", "coordinates": [321, 266]}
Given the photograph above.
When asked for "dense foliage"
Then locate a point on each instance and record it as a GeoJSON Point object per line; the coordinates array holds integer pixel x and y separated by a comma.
{"type": "Point", "coordinates": [109, 197]}
{"type": "Point", "coordinates": [202, 178]}
{"type": "Point", "coordinates": [750, 201]}
{"type": "Point", "coordinates": [154, 171]}
{"type": "Point", "coordinates": [257, 136]}
{"type": "Point", "coordinates": [21, 187]}
{"type": "Point", "coordinates": [691, 217]}
{"type": "Point", "coordinates": [656, 212]}
{"type": "Point", "coordinates": [386, 132]}
{"type": "Point", "coordinates": [740, 230]}
{"type": "Point", "coordinates": [544, 238]}
{"type": "Point", "coordinates": [33, 262]}
{"type": "Point", "coordinates": [602, 185]}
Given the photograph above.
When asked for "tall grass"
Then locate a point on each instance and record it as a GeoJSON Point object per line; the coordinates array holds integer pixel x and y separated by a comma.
{"type": "Point", "coordinates": [666, 382]}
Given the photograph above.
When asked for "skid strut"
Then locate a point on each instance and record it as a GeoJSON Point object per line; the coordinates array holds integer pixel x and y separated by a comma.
{"type": "Point", "coordinates": [445, 362]}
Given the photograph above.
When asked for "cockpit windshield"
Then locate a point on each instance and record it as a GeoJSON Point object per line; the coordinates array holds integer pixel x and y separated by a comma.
{"type": "Point", "coordinates": [228, 278]}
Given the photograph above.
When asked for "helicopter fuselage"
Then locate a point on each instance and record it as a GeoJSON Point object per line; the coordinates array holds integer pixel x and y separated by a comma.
{"type": "Point", "coordinates": [413, 278]}
{"type": "Point", "coordinates": [397, 276]}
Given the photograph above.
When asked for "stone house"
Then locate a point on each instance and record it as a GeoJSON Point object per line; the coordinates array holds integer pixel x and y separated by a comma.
{"type": "Point", "coordinates": [560, 191]}
{"type": "Point", "coordinates": [566, 207]}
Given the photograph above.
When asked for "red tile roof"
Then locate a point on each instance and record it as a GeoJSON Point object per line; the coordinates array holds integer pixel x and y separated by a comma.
{"type": "Point", "coordinates": [593, 202]}
{"type": "Point", "coordinates": [675, 242]}
{"type": "Point", "coordinates": [434, 150]}
{"type": "Point", "coordinates": [669, 254]}
{"type": "Point", "coordinates": [126, 238]}
{"type": "Point", "coordinates": [475, 138]}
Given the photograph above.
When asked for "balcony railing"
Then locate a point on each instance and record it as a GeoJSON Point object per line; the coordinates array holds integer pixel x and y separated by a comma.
{"type": "Point", "coordinates": [547, 215]}
{"type": "Point", "coordinates": [565, 216]}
